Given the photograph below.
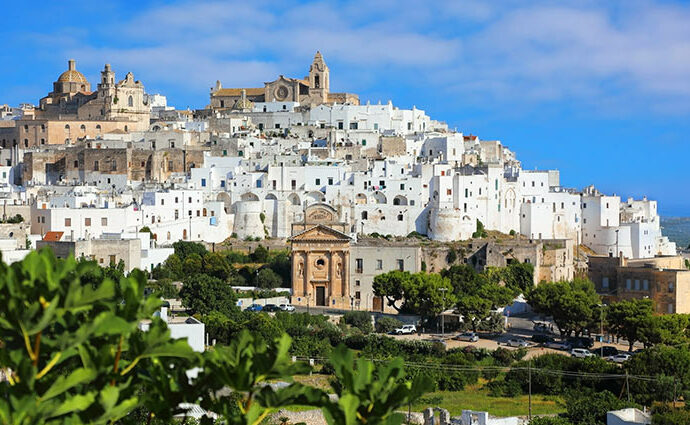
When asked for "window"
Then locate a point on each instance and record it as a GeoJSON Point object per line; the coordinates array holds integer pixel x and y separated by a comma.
{"type": "Point", "coordinates": [357, 295]}
{"type": "Point", "coordinates": [293, 183]}
{"type": "Point", "coordinates": [400, 217]}
{"type": "Point", "coordinates": [87, 221]}
{"type": "Point", "coordinates": [112, 260]}
{"type": "Point", "coordinates": [359, 265]}
{"type": "Point", "coordinates": [104, 221]}
{"type": "Point", "coordinates": [401, 265]}
{"type": "Point", "coordinates": [449, 192]}
{"type": "Point", "coordinates": [203, 182]}
{"type": "Point", "coordinates": [190, 199]}
{"type": "Point", "coordinates": [130, 101]}
{"type": "Point", "coordinates": [340, 125]}
{"type": "Point", "coordinates": [628, 284]}
{"type": "Point", "coordinates": [605, 283]}
{"type": "Point", "coordinates": [379, 264]}
{"type": "Point", "coordinates": [113, 166]}
{"type": "Point", "coordinates": [365, 215]}
{"type": "Point", "coordinates": [637, 284]}
{"type": "Point", "coordinates": [170, 165]}
{"type": "Point", "coordinates": [330, 181]}
{"type": "Point", "coordinates": [76, 164]}
{"type": "Point", "coordinates": [318, 182]}
{"type": "Point", "coordinates": [95, 166]}
{"type": "Point", "coordinates": [402, 186]}
{"type": "Point", "coordinates": [68, 222]}
{"type": "Point", "coordinates": [645, 285]}
{"type": "Point", "coordinates": [670, 308]}
{"type": "Point", "coordinates": [357, 283]}
{"type": "Point", "coordinates": [670, 287]}
{"type": "Point", "coordinates": [222, 183]}
{"type": "Point", "coordinates": [177, 214]}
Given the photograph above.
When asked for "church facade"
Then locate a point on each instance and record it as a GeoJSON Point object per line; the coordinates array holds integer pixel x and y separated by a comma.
{"type": "Point", "coordinates": [312, 90]}
{"type": "Point", "coordinates": [321, 260]}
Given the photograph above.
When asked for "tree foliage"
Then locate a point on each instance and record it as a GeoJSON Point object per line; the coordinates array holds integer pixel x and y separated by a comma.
{"type": "Point", "coordinates": [573, 305]}
{"type": "Point", "coordinates": [628, 318]}
{"type": "Point", "coordinates": [203, 294]}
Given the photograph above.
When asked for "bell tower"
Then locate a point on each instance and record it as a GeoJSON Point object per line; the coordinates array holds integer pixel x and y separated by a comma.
{"type": "Point", "coordinates": [319, 81]}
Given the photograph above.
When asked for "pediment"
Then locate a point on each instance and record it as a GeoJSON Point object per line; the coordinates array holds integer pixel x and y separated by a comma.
{"type": "Point", "coordinates": [320, 233]}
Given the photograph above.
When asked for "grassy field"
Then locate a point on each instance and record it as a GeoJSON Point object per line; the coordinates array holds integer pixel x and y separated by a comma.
{"type": "Point", "coordinates": [474, 398]}
{"type": "Point", "coordinates": [471, 398]}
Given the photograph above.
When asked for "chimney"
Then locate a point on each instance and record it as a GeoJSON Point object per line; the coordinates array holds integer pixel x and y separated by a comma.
{"type": "Point", "coordinates": [71, 65]}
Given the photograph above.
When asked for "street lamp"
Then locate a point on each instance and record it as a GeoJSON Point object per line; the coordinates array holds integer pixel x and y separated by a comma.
{"type": "Point", "coordinates": [443, 330]}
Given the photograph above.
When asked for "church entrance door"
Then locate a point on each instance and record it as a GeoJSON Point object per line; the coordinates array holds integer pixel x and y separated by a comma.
{"type": "Point", "coordinates": [321, 295]}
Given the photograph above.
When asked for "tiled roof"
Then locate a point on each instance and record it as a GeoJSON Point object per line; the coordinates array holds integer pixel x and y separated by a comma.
{"type": "Point", "coordinates": [53, 236]}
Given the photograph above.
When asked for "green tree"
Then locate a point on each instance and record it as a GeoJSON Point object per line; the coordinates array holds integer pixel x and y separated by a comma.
{"type": "Point", "coordinates": [424, 296]}
{"type": "Point", "coordinates": [260, 255]}
{"type": "Point", "coordinates": [669, 329]}
{"type": "Point", "coordinates": [164, 288]}
{"type": "Point", "coordinates": [183, 249]}
{"type": "Point", "coordinates": [246, 366]}
{"type": "Point", "coordinates": [360, 320]}
{"type": "Point", "coordinates": [573, 305]}
{"type": "Point", "coordinates": [72, 348]}
{"type": "Point", "coordinates": [203, 294]}
{"type": "Point", "coordinates": [480, 232]}
{"type": "Point", "coordinates": [268, 279]}
{"type": "Point", "coordinates": [193, 264]}
{"type": "Point", "coordinates": [590, 408]}
{"type": "Point", "coordinates": [216, 265]}
{"type": "Point", "coordinates": [369, 394]}
{"type": "Point", "coordinates": [387, 324]}
{"type": "Point", "coordinates": [474, 309]}
{"type": "Point", "coordinates": [392, 287]}
{"type": "Point", "coordinates": [627, 318]}
{"type": "Point", "coordinates": [173, 264]}
{"type": "Point", "coordinates": [520, 277]}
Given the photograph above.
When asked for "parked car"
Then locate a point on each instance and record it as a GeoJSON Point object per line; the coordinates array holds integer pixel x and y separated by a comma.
{"type": "Point", "coordinates": [517, 342]}
{"type": "Point", "coordinates": [287, 307]}
{"type": "Point", "coordinates": [467, 336]}
{"type": "Point", "coordinates": [270, 308]}
{"type": "Point", "coordinates": [541, 339]}
{"type": "Point", "coordinates": [406, 330]}
{"type": "Point", "coordinates": [437, 341]}
{"type": "Point", "coordinates": [605, 351]}
{"type": "Point", "coordinates": [558, 345]}
{"type": "Point", "coordinates": [541, 327]}
{"type": "Point", "coordinates": [581, 353]}
{"type": "Point", "coordinates": [254, 307]}
{"type": "Point", "coordinates": [619, 358]}
{"type": "Point", "coordinates": [581, 342]}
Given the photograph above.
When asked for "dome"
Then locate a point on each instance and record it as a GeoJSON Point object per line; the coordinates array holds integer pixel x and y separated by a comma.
{"type": "Point", "coordinates": [72, 75]}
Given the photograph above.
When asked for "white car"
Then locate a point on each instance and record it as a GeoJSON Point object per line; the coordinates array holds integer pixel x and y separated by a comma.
{"type": "Point", "coordinates": [406, 330]}
{"type": "Point", "coordinates": [556, 345]}
{"type": "Point", "coordinates": [517, 342]}
{"type": "Point", "coordinates": [287, 307]}
{"type": "Point", "coordinates": [467, 336]}
{"type": "Point", "coordinates": [619, 358]}
{"type": "Point", "coordinates": [581, 353]}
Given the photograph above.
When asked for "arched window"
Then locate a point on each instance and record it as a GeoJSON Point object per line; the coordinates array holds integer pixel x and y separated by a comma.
{"type": "Point", "coordinates": [98, 128]}
{"type": "Point", "coordinates": [126, 128]}
{"type": "Point", "coordinates": [204, 212]}
{"type": "Point", "coordinates": [317, 83]}
{"type": "Point", "coordinates": [130, 101]}
{"type": "Point", "coordinates": [67, 127]}
{"type": "Point", "coordinates": [184, 234]}
{"type": "Point", "coordinates": [82, 127]}
{"type": "Point", "coordinates": [400, 217]}
{"type": "Point", "coordinates": [365, 215]}
{"type": "Point", "coordinates": [168, 235]}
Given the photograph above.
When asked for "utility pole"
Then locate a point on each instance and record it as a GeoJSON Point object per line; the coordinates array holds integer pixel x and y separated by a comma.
{"type": "Point", "coordinates": [529, 386]}
{"type": "Point", "coordinates": [443, 329]}
{"type": "Point", "coordinates": [627, 384]}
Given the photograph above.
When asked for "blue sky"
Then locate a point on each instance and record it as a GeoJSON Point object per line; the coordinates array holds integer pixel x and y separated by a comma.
{"type": "Point", "coordinates": [599, 90]}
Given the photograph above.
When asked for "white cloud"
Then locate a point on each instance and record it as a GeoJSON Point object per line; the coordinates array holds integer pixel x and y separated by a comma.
{"type": "Point", "coordinates": [485, 53]}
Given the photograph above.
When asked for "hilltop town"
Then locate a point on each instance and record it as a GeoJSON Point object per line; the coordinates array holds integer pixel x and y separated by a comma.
{"type": "Point", "coordinates": [293, 162]}
{"type": "Point", "coordinates": [290, 211]}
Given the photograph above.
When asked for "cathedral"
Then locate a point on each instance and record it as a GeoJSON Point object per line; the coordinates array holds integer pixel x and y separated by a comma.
{"type": "Point", "coordinates": [312, 90]}
{"type": "Point", "coordinates": [72, 111]}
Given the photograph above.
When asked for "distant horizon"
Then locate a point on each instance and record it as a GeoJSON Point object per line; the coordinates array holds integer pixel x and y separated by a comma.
{"type": "Point", "coordinates": [574, 87]}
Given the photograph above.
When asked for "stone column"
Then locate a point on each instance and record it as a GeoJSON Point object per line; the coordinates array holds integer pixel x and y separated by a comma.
{"type": "Point", "coordinates": [332, 279]}
{"type": "Point", "coordinates": [346, 274]}
{"type": "Point", "coordinates": [307, 273]}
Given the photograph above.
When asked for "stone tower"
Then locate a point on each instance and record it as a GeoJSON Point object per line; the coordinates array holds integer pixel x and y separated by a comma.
{"type": "Point", "coordinates": [319, 79]}
{"type": "Point", "coordinates": [107, 76]}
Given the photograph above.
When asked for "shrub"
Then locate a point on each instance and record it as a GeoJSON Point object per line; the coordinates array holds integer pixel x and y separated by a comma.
{"type": "Point", "coordinates": [356, 341]}
{"type": "Point", "coordinates": [451, 256]}
{"type": "Point", "coordinates": [387, 324]}
{"type": "Point", "coordinates": [358, 319]}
